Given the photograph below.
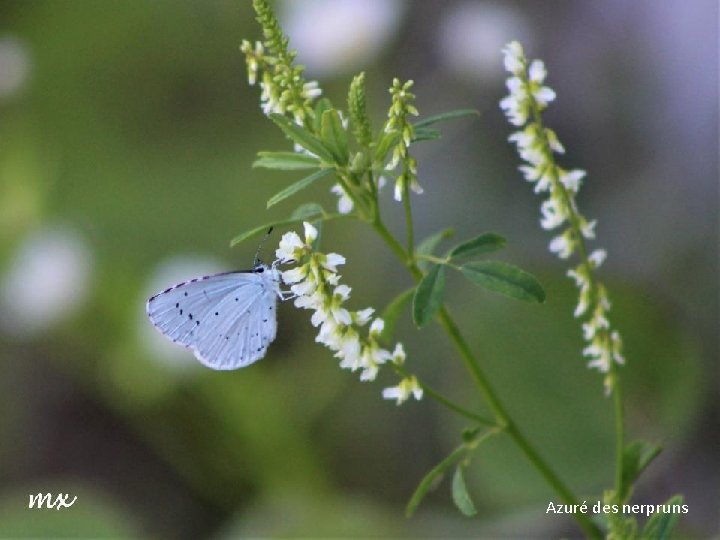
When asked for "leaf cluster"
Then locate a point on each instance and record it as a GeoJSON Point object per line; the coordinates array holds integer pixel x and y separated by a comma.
{"type": "Point", "coordinates": [495, 276]}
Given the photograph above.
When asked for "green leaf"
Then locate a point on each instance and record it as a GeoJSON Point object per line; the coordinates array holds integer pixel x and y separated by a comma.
{"type": "Point", "coordinates": [307, 210]}
{"type": "Point", "coordinates": [429, 295]}
{"type": "Point", "coordinates": [282, 222]}
{"type": "Point", "coordinates": [323, 104]}
{"type": "Point", "coordinates": [386, 141]}
{"type": "Point", "coordinates": [426, 134]}
{"type": "Point", "coordinates": [460, 495]}
{"type": "Point", "coordinates": [334, 136]}
{"type": "Point", "coordinates": [393, 311]}
{"type": "Point", "coordinates": [505, 279]}
{"type": "Point", "coordinates": [302, 137]}
{"type": "Point", "coordinates": [427, 246]}
{"type": "Point", "coordinates": [359, 164]}
{"type": "Point", "coordinates": [450, 115]}
{"type": "Point", "coordinates": [485, 243]}
{"type": "Point", "coordinates": [287, 161]}
{"type": "Point", "coordinates": [431, 479]}
{"type": "Point", "coordinates": [661, 525]}
{"type": "Point", "coordinates": [636, 458]}
{"type": "Point", "coordinates": [297, 186]}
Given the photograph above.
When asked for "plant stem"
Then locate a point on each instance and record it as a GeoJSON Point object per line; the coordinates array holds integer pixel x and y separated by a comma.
{"type": "Point", "coordinates": [430, 391]}
{"type": "Point", "coordinates": [502, 416]}
{"type": "Point", "coordinates": [408, 221]}
{"type": "Point", "coordinates": [619, 436]}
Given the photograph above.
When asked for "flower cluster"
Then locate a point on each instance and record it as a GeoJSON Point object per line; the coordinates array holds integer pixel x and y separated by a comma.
{"type": "Point", "coordinates": [537, 145]}
{"type": "Point", "coordinates": [283, 89]}
{"type": "Point", "coordinates": [402, 107]}
{"type": "Point", "coordinates": [315, 285]}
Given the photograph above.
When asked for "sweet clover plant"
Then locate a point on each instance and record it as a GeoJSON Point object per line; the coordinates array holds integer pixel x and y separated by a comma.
{"type": "Point", "coordinates": [357, 160]}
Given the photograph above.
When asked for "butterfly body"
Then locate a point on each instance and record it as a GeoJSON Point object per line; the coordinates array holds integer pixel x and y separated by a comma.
{"type": "Point", "coordinates": [228, 320]}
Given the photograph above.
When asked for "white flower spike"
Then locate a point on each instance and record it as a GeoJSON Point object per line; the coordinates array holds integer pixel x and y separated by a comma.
{"type": "Point", "coordinates": [536, 145]}
{"type": "Point", "coordinates": [316, 285]}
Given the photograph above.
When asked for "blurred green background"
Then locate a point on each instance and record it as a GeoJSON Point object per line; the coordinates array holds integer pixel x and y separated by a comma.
{"type": "Point", "coordinates": [127, 131]}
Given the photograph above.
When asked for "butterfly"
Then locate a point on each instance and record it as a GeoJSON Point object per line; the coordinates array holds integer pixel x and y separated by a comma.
{"type": "Point", "coordinates": [228, 320]}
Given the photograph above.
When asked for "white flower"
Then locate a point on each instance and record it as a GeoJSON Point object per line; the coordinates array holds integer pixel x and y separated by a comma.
{"type": "Point", "coordinates": [515, 104]}
{"type": "Point", "coordinates": [311, 90]}
{"type": "Point", "coordinates": [304, 288]}
{"type": "Point", "coordinates": [571, 179]}
{"type": "Point", "coordinates": [342, 292]}
{"type": "Point", "coordinates": [349, 349]}
{"type": "Point", "coordinates": [596, 323]}
{"type": "Point", "coordinates": [583, 302]}
{"type": "Point", "coordinates": [294, 275]}
{"type": "Point", "coordinates": [599, 355]}
{"type": "Point", "coordinates": [314, 301]}
{"type": "Point", "coordinates": [529, 146]}
{"type": "Point", "coordinates": [339, 313]}
{"type": "Point", "coordinates": [377, 327]}
{"type": "Point", "coordinates": [398, 355]}
{"type": "Point", "coordinates": [524, 139]}
{"type": "Point", "coordinates": [310, 233]}
{"type": "Point", "coordinates": [587, 228]}
{"type": "Point", "coordinates": [362, 317]}
{"type": "Point", "coordinates": [536, 75]}
{"type": "Point", "coordinates": [543, 95]}
{"type": "Point", "coordinates": [580, 274]}
{"type": "Point", "coordinates": [398, 192]}
{"type": "Point", "coordinates": [537, 71]}
{"type": "Point", "coordinates": [345, 204]}
{"type": "Point", "coordinates": [370, 372]}
{"type": "Point", "coordinates": [407, 387]}
{"type": "Point", "coordinates": [514, 57]}
{"type": "Point", "coordinates": [332, 261]}
{"type": "Point", "coordinates": [409, 179]}
{"type": "Point", "coordinates": [553, 214]}
{"type": "Point", "coordinates": [531, 173]}
{"type": "Point", "coordinates": [563, 245]}
{"type": "Point", "coordinates": [330, 334]}
{"type": "Point", "coordinates": [545, 183]}
{"type": "Point", "coordinates": [597, 257]}
{"type": "Point", "coordinates": [553, 141]}
{"type": "Point", "coordinates": [290, 247]}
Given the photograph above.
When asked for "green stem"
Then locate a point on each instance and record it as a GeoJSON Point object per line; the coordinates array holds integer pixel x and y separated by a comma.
{"type": "Point", "coordinates": [436, 260]}
{"type": "Point", "coordinates": [504, 420]}
{"type": "Point", "coordinates": [619, 436]}
{"type": "Point", "coordinates": [502, 416]}
{"type": "Point", "coordinates": [408, 221]}
{"type": "Point", "coordinates": [437, 396]}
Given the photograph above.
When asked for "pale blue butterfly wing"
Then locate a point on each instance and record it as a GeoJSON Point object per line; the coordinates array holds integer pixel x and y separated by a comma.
{"type": "Point", "coordinates": [228, 320]}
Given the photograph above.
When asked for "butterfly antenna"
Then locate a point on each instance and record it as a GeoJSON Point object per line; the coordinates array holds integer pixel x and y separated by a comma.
{"type": "Point", "coordinates": [262, 243]}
